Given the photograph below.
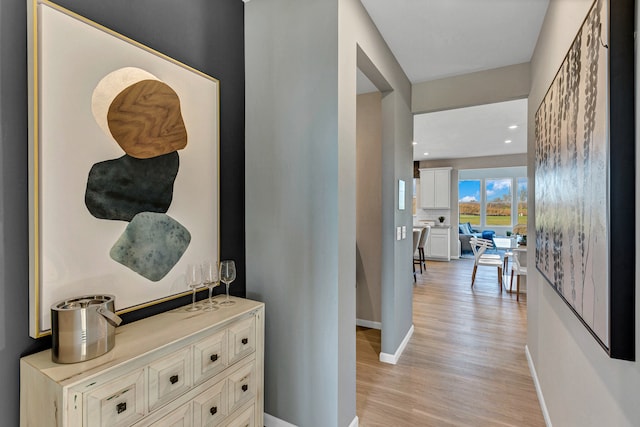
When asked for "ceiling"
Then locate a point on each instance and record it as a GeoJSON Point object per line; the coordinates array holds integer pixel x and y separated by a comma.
{"type": "Point", "coordinates": [471, 132]}
{"type": "Point", "coordinates": [433, 39]}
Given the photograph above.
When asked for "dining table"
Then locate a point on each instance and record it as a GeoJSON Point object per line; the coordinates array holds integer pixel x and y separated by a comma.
{"type": "Point", "coordinates": [511, 248]}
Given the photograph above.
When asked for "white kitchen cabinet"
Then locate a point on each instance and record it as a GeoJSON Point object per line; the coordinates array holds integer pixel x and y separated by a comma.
{"type": "Point", "coordinates": [435, 188]}
{"type": "Point", "coordinates": [439, 244]}
{"type": "Point", "coordinates": [175, 368]}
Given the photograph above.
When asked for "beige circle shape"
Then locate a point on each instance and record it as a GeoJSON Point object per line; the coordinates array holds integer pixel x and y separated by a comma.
{"type": "Point", "coordinates": [109, 87]}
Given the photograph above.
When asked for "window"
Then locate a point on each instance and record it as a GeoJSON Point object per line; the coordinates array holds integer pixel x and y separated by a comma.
{"type": "Point", "coordinates": [498, 210]}
{"type": "Point", "coordinates": [493, 198]}
{"type": "Point", "coordinates": [469, 201]}
{"type": "Point", "coordinates": [521, 197]}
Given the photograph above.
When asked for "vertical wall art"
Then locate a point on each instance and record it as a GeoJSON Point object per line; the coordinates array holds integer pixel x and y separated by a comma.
{"type": "Point", "coordinates": [584, 176]}
{"type": "Point", "coordinates": [123, 165]}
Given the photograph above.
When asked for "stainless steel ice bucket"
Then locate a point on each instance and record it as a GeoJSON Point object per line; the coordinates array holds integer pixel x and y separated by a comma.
{"type": "Point", "coordinates": [83, 328]}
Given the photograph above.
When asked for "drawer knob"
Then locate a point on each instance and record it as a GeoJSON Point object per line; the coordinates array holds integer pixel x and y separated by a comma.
{"type": "Point", "coordinates": [174, 379]}
{"type": "Point", "coordinates": [213, 410]}
{"type": "Point", "coordinates": [121, 407]}
{"type": "Point", "coordinates": [214, 357]}
{"type": "Point", "coordinates": [245, 341]}
{"type": "Point", "coordinates": [245, 387]}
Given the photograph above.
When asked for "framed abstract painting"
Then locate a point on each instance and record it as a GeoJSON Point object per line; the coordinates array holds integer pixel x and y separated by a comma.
{"type": "Point", "coordinates": [585, 178]}
{"type": "Point", "coordinates": [123, 156]}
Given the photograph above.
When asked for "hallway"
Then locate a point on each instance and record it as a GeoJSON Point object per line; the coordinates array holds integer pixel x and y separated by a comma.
{"type": "Point", "coordinates": [465, 364]}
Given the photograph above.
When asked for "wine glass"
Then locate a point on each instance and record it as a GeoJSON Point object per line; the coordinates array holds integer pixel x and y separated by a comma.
{"type": "Point", "coordinates": [210, 280]}
{"type": "Point", "coordinates": [194, 280]}
{"type": "Point", "coordinates": [227, 275]}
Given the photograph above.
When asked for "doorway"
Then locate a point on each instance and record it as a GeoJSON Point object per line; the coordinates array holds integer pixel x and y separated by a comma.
{"type": "Point", "coordinates": [368, 204]}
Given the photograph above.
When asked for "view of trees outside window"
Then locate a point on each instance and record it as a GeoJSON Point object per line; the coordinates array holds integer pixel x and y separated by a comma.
{"type": "Point", "coordinates": [522, 201]}
{"type": "Point", "coordinates": [499, 197]}
{"type": "Point", "coordinates": [504, 203]}
{"type": "Point", "coordinates": [469, 201]}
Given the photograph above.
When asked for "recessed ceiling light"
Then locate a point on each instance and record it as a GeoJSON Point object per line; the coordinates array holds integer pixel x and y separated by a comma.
{"type": "Point", "coordinates": [426, 154]}
{"type": "Point", "coordinates": [513, 127]}
{"type": "Point", "coordinates": [508, 141]}
{"type": "Point", "coordinates": [414, 143]}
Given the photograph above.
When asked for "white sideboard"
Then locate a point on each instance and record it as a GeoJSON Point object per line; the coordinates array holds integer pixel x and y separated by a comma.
{"type": "Point", "coordinates": [175, 368]}
{"type": "Point", "coordinates": [439, 244]}
{"type": "Point", "coordinates": [435, 188]}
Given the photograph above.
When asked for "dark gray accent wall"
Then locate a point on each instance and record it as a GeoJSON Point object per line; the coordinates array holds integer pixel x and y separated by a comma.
{"type": "Point", "coordinates": [207, 35]}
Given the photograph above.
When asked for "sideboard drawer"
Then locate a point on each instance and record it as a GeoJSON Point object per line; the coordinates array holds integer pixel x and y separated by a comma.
{"type": "Point", "coordinates": [180, 417]}
{"type": "Point", "coordinates": [117, 403]}
{"type": "Point", "coordinates": [242, 339]}
{"type": "Point", "coordinates": [169, 377]}
{"type": "Point", "coordinates": [245, 419]}
{"type": "Point", "coordinates": [210, 356]}
{"type": "Point", "coordinates": [242, 386]}
{"type": "Point", "coordinates": [211, 407]}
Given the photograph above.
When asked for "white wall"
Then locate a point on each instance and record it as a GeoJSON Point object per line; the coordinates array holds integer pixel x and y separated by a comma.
{"type": "Point", "coordinates": [581, 385]}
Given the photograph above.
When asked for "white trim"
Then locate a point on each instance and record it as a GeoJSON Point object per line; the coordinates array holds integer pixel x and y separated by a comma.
{"type": "Point", "coordinates": [534, 375]}
{"type": "Point", "coordinates": [393, 358]}
{"type": "Point", "coordinates": [271, 421]}
{"type": "Point", "coordinates": [369, 324]}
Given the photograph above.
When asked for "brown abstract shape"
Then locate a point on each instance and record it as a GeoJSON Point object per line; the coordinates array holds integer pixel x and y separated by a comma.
{"type": "Point", "coordinates": [145, 120]}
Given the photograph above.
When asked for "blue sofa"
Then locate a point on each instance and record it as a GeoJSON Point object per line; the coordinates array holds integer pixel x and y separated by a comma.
{"type": "Point", "coordinates": [466, 232]}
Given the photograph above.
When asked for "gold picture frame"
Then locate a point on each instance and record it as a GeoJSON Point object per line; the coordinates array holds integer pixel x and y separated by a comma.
{"type": "Point", "coordinates": [76, 249]}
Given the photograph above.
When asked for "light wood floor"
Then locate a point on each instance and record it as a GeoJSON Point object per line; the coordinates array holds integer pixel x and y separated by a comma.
{"type": "Point", "coordinates": [465, 364]}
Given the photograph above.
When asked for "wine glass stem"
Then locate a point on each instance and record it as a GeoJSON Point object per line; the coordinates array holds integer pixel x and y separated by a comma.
{"type": "Point", "coordinates": [227, 283]}
{"type": "Point", "coordinates": [210, 292]}
{"type": "Point", "coordinates": [193, 298]}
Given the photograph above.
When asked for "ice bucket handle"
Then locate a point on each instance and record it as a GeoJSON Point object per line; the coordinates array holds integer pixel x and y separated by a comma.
{"type": "Point", "coordinates": [110, 316]}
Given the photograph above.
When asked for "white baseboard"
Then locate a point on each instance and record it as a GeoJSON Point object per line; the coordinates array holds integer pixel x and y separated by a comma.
{"type": "Point", "coordinates": [271, 421]}
{"type": "Point", "coordinates": [369, 324]}
{"type": "Point", "coordinates": [536, 383]}
{"type": "Point", "coordinates": [393, 358]}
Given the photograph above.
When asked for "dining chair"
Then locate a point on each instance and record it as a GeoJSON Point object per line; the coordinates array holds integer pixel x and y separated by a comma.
{"type": "Point", "coordinates": [505, 263]}
{"type": "Point", "coordinates": [419, 257]}
{"type": "Point", "coordinates": [480, 258]}
{"type": "Point", "coordinates": [519, 270]}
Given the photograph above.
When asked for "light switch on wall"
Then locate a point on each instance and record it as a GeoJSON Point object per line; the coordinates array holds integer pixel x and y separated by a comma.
{"type": "Point", "coordinates": [398, 233]}
{"type": "Point", "coordinates": [404, 231]}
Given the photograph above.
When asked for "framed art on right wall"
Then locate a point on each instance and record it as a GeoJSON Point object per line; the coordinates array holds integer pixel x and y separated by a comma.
{"type": "Point", "coordinates": [585, 178]}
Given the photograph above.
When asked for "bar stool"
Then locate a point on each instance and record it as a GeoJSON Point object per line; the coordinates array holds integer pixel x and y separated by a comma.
{"type": "Point", "coordinates": [424, 236]}
{"type": "Point", "coordinates": [416, 240]}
